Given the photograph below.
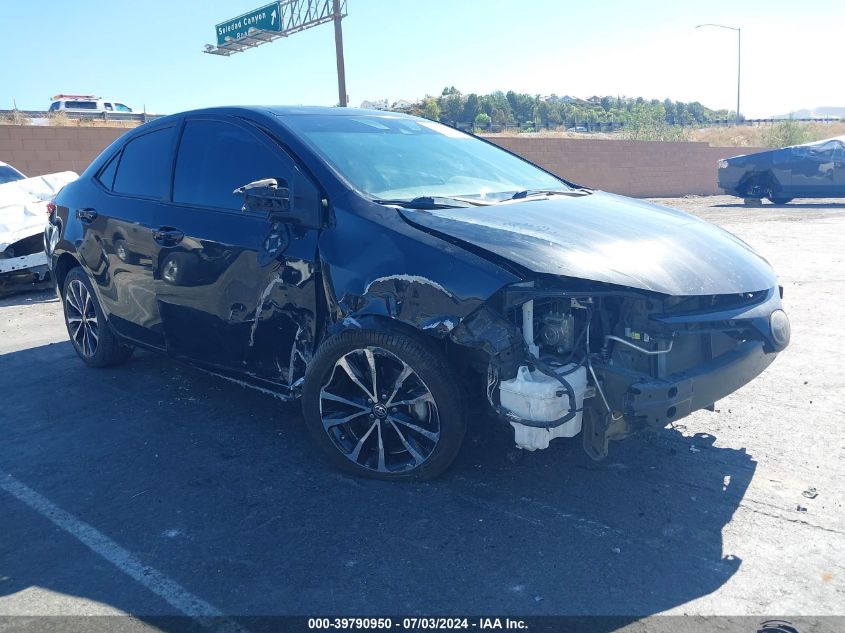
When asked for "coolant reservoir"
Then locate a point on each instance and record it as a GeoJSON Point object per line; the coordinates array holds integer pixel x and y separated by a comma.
{"type": "Point", "coordinates": [532, 395]}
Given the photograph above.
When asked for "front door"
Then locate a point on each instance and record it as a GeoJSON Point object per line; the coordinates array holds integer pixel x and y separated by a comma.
{"type": "Point", "coordinates": [236, 290]}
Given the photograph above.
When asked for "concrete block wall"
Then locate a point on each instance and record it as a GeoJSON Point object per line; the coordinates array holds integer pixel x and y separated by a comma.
{"type": "Point", "coordinates": [37, 150]}
{"type": "Point", "coordinates": [633, 168]}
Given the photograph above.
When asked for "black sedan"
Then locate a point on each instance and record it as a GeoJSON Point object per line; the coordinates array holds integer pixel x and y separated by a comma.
{"type": "Point", "coordinates": [393, 272]}
{"type": "Point", "coordinates": [813, 170]}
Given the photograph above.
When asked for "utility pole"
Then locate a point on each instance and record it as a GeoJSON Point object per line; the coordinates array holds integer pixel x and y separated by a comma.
{"type": "Point", "coordinates": [738, 68]}
{"type": "Point", "coordinates": [338, 45]}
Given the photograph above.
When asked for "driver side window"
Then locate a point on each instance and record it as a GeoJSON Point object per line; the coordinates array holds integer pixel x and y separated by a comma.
{"type": "Point", "coordinates": [216, 157]}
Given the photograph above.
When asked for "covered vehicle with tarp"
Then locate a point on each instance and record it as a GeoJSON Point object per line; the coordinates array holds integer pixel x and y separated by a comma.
{"type": "Point", "coordinates": [811, 170]}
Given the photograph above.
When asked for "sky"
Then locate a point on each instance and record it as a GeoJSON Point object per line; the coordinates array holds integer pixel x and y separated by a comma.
{"type": "Point", "coordinates": [149, 54]}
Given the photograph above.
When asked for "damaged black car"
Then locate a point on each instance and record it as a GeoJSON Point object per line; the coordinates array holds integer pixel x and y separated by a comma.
{"type": "Point", "coordinates": [390, 271]}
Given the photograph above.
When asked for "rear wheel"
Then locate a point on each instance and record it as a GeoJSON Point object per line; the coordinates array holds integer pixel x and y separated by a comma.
{"type": "Point", "coordinates": [384, 405]}
{"type": "Point", "coordinates": [89, 332]}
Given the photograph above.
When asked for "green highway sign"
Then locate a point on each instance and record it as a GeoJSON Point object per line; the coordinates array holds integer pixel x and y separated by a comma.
{"type": "Point", "coordinates": [266, 18]}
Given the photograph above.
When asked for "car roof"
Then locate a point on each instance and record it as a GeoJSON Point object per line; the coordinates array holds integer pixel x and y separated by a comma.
{"type": "Point", "coordinates": [286, 111]}
{"type": "Point", "coordinates": [841, 139]}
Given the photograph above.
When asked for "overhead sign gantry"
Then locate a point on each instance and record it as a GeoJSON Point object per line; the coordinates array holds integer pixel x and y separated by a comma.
{"type": "Point", "coordinates": [280, 19]}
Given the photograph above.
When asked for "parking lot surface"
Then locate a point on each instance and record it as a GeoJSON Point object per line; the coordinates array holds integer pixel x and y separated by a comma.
{"type": "Point", "coordinates": [154, 488]}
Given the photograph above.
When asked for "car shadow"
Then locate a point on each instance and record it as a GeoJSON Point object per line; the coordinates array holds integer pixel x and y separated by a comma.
{"type": "Point", "coordinates": [789, 205]}
{"type": "Point", "coordinates": [218, 488]}
{"type": "Point", "coordinates": [28, 296]}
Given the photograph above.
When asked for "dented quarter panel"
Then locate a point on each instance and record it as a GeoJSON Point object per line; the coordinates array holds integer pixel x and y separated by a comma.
{"type": "Point", "coordinates": [611, 239]}
{"type": "Point", "coordinates": [374, 263]}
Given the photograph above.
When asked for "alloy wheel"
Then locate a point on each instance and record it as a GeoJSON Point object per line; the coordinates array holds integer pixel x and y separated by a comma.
{"type": "Point", "coordinates": [170, 273]}
{"type": "Point", "coordinates": [83, 326]}
{"type": "Point", "coordinates": [378, 412]}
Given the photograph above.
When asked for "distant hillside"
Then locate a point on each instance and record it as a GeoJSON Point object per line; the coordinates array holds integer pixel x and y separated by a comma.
{"type": "Point", "coordinates": [815, 113]}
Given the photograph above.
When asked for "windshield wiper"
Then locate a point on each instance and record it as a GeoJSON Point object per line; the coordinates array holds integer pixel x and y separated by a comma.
{"type": "Point", "coordinates": [536, 193]}
{"type": "Point", "coordinates": [435, 202]}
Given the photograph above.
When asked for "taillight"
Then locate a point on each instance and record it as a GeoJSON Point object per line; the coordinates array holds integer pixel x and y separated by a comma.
{"type": "Point", "coordinates": [51, 208]}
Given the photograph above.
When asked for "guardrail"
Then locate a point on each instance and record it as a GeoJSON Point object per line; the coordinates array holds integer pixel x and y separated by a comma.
{"type": "Point", "coordinates": [140, 117]}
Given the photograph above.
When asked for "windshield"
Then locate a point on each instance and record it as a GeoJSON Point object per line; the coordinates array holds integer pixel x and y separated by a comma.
{"type": "Point", "coordinates": [402, 158]}
{"type": "Point", "coordinates": [9, 174]}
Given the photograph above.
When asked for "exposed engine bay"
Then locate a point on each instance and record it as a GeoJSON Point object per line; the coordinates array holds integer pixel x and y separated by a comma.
{"type": "Point", "coordinates": [605, 362]}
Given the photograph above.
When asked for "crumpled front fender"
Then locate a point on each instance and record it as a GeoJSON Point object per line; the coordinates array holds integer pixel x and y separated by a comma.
{"type": "Point", "coordinates": [376, 264]}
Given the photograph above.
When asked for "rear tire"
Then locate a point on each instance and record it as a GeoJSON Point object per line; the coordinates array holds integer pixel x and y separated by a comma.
{"type": "Point", "coordinates": [412, 429]}
{"type": "Point", "coordinates": [776, 200]}
{"type": "Point", "coordinates": [89, 331]}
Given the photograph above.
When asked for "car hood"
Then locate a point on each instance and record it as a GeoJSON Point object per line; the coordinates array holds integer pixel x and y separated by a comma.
{"type": "Point", "coordinates": [608, 238]}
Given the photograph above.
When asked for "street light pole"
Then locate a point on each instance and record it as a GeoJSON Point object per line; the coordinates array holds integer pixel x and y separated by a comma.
{"type": "Point", "coordinates": [738, 58]}
{"type": "Point", "coordinates": [338, 45]}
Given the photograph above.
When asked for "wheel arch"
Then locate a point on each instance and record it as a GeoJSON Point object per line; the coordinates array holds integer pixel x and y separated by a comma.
{"type": "Point", "coordinates": [765, 178]}
{"type": "Point", "coordinates": [62, 267]}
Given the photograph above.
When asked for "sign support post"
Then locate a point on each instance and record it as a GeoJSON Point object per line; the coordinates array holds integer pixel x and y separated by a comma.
{"type": "Point", "coordinates": [338, 45]}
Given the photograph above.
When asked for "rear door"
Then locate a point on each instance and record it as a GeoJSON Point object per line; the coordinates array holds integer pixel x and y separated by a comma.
{"type": "Point", "coordinates": [236, 290]}
{"type": "Point", "coordinates": [117, 245]}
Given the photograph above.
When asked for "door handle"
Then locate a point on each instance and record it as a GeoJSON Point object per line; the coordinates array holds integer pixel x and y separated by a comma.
{"type": "Point", "coordinates": [167, 236]}
{"type": "Point", "coordinates": [86, 215]}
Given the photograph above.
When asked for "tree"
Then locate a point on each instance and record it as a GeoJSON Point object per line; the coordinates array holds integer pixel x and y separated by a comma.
{"type": "Point", "coordinates": [646, 118]}
{"type": "Point", "coordinates": [472, 107]}
{"type": "Point", "coordinates": [483, 120]}
{"type": "Point", "coordinates": [431, 109]}
{"type": "Point", "coordinates": [452, 105]}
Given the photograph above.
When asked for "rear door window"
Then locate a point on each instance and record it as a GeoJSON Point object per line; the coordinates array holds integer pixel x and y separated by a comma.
{"type": "Point", "coordinates": [81, 105]}
{"type": "Point", "coordinates": [106, 175]}
{"type": "Point", "coordinates": [145, 165]}
{"type": "Point", "coordinates": [216, 157]}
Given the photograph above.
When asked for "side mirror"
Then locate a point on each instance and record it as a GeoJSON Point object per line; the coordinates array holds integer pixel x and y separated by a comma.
{"type": "Point", "coordinates": [265, 196]}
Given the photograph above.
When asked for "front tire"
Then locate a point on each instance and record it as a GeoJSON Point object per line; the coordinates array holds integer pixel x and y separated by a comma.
{"type": "Point", "coordinates": [777, 200]}
{"type": "Point", "coordinates": [384, 405]}
{"type": "Point", "coordinates": [89, 332]}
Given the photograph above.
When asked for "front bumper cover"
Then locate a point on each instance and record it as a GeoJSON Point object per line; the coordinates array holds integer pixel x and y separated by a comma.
{"type": "Point", "coordinates": [662, 400]}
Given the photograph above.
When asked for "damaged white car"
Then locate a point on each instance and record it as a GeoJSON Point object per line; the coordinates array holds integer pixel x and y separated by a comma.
{"type": "Point", "coordinates": [24, 207]}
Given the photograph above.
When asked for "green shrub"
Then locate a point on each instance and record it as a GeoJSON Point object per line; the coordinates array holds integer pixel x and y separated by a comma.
{"type": "Point", "coordinates": [789, 132]}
